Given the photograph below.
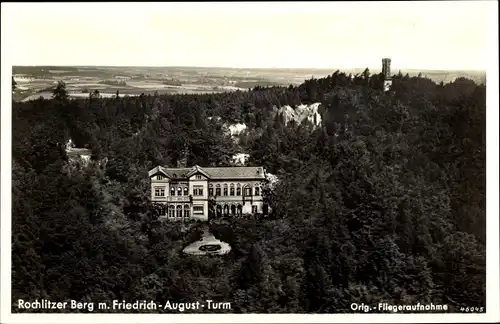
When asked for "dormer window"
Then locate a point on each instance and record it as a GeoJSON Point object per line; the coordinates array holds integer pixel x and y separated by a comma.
{"type": "Point", "coordinates": [174, 175]}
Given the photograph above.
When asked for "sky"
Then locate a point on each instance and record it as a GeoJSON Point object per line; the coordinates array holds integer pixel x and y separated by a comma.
{"type": "Point", "coordinates": [419, 34]}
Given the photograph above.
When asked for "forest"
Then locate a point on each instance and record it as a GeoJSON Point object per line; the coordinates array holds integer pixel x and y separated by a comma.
{"type": "Point", "coordinates": [384, 202]}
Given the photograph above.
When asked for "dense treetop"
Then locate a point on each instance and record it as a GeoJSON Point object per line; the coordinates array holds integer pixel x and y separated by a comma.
{"type": "Point", "coordinates": [384, 202]}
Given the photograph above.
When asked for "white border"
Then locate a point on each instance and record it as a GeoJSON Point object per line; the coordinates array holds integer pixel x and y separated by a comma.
{"type": "Point", "coordinates": [493, 314]}
{"type": "Point", "coordinates": [492, 165]}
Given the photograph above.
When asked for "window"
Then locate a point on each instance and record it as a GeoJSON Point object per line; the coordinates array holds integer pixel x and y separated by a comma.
{"type": "Point", "coordinates": [199, 177]}
{"type": "Point", "coordinates": [225, 189]}
{"type": "Point", "coordinates": [171, 211]}
{"type": "Point", "coordinates": [186, 211]}
{"type": "Point", "coordinates": [163, 211]}
{"type": "Point", "coordinates": [186, 191]}
{"type": "Point", "coordinates": [159, 177]}
{"type": "Point", "coordinates": [217, 190]}
{"type": "Point", "coordinates": [238, 190]}
{"type": "Point", "coordinates": [231, 190]}
{"type": "Point", "coordinates": [257, 191]}
{"type": "Point", "coordinates": [198, 209]}
{"type": "Point", "coordinates": [172, 191]}
{"type": "Point", "coordinates": [254, 209]}
{"type": "Point", "coordinates": [179, 211]}
{"type": "Point", "coordinates": [159, 192]}
{"type": "Point", "coordinates": [174, 175]}
{"type": "Point", "coordinates": [211, 190]}
{"type": "Point", "coordinates": [248, 191]}
{"type": "Point", "coordinates": [179, 191]}
{"type": "Point", "coordinates": [198, 191]}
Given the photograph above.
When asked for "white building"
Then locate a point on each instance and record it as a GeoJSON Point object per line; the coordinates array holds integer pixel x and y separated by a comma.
{"type": "Point", "coordinates": [189, 193]}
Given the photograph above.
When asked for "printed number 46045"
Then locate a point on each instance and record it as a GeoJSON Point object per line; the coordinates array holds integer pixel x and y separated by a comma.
{"type": "Point", "coordinates": [472, 309]}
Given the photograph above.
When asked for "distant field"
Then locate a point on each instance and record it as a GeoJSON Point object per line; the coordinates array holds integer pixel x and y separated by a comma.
{"type": "Point", "coordinates": [35, 81]}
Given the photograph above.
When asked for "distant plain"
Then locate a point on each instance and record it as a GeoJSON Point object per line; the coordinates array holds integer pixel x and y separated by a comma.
{"type": "Point", "coordinates": [33, 82]}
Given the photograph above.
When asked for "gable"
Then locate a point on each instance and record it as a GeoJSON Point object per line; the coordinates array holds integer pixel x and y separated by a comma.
{"type": "Point", "coordinates": [198, 176]}
{"type": "Point", "coordinates": [198, 171]}
{"type": "Point", "coordinates": [157, 171]}
{"type": "Point", "coordinates": [163, 175]}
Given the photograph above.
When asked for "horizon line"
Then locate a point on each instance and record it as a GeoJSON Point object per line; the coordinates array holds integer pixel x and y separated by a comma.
{"type": "Point", "coordinates": [256, 68]}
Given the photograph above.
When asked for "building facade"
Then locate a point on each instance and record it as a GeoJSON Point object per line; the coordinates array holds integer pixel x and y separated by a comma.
{"type": "Point", "coordinates": [200, 193]}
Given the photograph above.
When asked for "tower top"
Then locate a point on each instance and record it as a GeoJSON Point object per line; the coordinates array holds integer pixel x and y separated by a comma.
{"type": "Point", "coordinates": [386, 68]}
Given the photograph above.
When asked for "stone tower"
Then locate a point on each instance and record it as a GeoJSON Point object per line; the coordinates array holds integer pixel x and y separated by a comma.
{"type": "Point", "coordinates": [386, 71]}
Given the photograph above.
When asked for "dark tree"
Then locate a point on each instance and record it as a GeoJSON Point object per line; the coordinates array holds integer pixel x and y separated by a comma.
{"type": "Point", "coordinates": [59, 93]}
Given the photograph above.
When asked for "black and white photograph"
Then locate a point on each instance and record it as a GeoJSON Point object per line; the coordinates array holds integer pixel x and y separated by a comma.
{"type": "Point", "coordinates": [245, 162]}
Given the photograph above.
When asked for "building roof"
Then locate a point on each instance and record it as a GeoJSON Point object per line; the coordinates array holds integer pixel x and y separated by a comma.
{"type": "Point", "coordinates": [212, 173]}
{"type": "Point", "coordinates": [197, 169]}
